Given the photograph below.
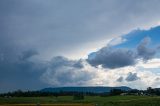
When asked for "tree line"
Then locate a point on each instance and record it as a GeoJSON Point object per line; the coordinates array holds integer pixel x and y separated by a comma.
{"type": "Point", "coordinates": [113, 92]}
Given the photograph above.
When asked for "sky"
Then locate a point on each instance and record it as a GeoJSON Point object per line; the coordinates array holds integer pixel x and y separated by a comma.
{"type": "Point", "coordinates": [53, 43]}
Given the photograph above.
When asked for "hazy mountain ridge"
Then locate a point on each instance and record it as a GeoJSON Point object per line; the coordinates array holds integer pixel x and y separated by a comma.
{"type": "Point", "coordinates": [95, 89]}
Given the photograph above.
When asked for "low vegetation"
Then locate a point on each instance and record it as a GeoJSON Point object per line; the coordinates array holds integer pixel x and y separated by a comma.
{"type": "Point", "coordinates": [116, 97]}
{"type": "Point", "coordinates": [87, 101]}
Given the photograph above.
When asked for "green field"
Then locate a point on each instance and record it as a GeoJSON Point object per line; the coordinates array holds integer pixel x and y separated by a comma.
{"type": "Point", "coordinates": [101, 101]}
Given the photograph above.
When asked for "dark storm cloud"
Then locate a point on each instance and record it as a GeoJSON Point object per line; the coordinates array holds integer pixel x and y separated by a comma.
{"type": "Point", "coordinates": [132, 77]}
{"type": "Point", "coordinates": [145, 52]}
{"type": "Point", "coordinates": [23, 73]}
{"type": "Point", "coordinates": [110, 57]}
{"type": "Point", "coordinates": [17, 73]}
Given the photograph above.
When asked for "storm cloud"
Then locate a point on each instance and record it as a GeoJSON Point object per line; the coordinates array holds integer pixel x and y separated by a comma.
{"type": "Point", "coordinates": [24, 73]}
{"type": "Point", "coordinates": [111, 57]}
{"type": "Point", "coordinates": [20, 73]}
{"type": "Point", "coordinates": [64, 72]}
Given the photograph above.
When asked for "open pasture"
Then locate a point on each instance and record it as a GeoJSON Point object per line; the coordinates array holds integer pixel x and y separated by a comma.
{"type": "Point", "coordinates": [88, 101]}
{"type": "Point", "coordinates": [47, 105]}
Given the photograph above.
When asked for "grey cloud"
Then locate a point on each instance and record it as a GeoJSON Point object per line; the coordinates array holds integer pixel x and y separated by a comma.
{"type": "Point", "coordinates": [120, 79]}
{"type": "Point", "coordinates": [64, 72]}
{"type": "Point", "coordinates": [132, 77]}
{"type": "Point", "coordinates": [145, 52]}
{"type": "Point", "coordinates": [78, 64]}
{"type": "Point", "coordinates": [63, 61]}
{"type": "Point", "coordinates": [28, 54]}
{"type": "Point", "coordinates": [158, 47]}
{"type": "Point", "coordinates": [23, 73]}
{"type": "Point", "coordinates": [17, 73]}
{"type": "Point", "coordinates": [112, 58]}
{"type": "Point", "coordinates": [157, 79]}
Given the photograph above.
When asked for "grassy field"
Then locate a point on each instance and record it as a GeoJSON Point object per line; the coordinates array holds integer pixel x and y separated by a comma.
{"type": "Point", "coordinates": [101, 101]}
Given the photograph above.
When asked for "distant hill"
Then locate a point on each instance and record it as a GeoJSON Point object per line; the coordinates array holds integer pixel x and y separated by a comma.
{"type": "Point", "coordinates": [84, 89]}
